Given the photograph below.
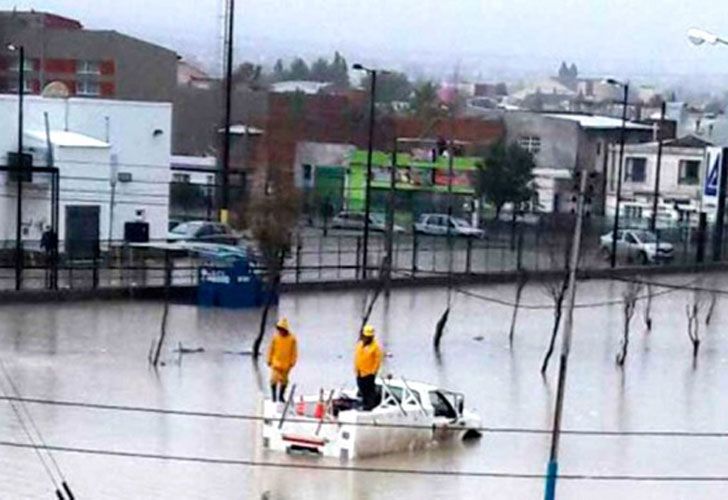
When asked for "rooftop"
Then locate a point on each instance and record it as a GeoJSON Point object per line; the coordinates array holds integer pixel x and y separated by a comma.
{"type": "Point", "coordinates": [65, 139]}
{"type": "Point", "coordinates": [598, 122]}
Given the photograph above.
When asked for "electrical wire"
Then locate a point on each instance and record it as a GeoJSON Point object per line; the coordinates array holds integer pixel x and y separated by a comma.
{"type": "Point", "coordinates": [374, 470]}
{"type": "Point", "coordinates": [258, 418]}
{"type": "Point", "coordinates": [31, 441]}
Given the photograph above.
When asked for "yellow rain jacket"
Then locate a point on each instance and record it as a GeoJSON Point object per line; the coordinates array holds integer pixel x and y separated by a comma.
{"type": "Point", "coordinates": [283, 352]}
{"type": "Point", "coordinates": [367, 359]}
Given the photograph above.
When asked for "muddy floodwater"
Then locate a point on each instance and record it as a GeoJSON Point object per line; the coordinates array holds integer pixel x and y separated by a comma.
{"type": "Point", "coordinates": [96, 352]}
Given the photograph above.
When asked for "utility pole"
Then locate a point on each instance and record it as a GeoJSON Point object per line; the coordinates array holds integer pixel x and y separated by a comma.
{"type": "Point", "coordinates": [553, 464]}
{"type": "Point", "coordinates": [658, 168]}
{"type": "Point", "coordinates": [622, 133]}
{"type": "Point", "coordinates": [225, 198]}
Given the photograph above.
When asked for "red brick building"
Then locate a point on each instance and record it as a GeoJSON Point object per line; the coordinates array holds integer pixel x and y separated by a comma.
{"type": "Point", "coordinates": [90, 63]}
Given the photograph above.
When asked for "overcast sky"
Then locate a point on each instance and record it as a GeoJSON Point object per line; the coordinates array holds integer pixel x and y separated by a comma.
{"type": "Point", "coordinates": [640, 39]}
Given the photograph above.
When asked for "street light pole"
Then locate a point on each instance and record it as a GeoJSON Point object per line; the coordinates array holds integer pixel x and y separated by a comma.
{"type": "Point", "coordinates": [20, 163]}
{"type": "Point", "coordinates": [368, 182]}
{"type": "Point", "coordinates": [699, 36]}
{"type": "Point", "coordinates": [622, 133]}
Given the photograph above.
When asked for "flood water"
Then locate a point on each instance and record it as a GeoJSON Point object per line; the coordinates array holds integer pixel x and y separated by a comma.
{"type": "Point", "coordinates": [97, 352]}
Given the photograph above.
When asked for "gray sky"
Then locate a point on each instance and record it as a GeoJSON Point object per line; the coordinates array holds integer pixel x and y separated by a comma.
{"type": "Point", "coordinates": [642, 39]}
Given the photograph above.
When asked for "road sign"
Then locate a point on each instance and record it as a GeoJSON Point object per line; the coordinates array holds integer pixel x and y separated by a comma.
{"type": "Point", "coordinates": [712, 173]}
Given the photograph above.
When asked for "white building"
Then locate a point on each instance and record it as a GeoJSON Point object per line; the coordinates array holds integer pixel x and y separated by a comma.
{"type": "Point", "coordinates": [103, 150]}
{"type": "Point", "coordinates": [682, 174]}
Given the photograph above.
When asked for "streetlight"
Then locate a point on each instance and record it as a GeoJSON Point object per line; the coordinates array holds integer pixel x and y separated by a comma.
{"type": "Point", "coordinates": [699, 36]}
{"type": "Point", "coordinates": [19, 164]}
{"type": "Point", "coordinates": [622, 132]}
{"type": "Point", "coordinates": [368, 183]}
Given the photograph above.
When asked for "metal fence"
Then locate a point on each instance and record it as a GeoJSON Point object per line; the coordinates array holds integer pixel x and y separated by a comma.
{"type": "Point", "coordinates": [317, 256]}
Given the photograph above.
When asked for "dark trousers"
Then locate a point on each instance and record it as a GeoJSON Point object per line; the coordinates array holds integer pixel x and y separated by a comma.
{"type": "Point", "coordinates": [367, 391]}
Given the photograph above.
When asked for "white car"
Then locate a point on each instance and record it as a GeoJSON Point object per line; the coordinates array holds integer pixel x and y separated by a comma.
{"type": "Point", "coordinates": [439, 225]}
{"type": "Point", "coordinates": [355, 220]}
{"type": "Point", "coordinates": [637, 244]}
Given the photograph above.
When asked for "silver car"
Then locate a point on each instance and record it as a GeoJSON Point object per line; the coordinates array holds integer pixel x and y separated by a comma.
{"type": "Point", "coordinates": [355, 220]}
{"type": "Point", "coordinates": [203, 231]}
{"type": "Point", "coordinates": [637, 245]}
{"type": "Point", "coordinates": [440, 225]}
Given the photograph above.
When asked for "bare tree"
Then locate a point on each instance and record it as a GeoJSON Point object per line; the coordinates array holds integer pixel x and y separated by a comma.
{"type": "Point", "coordinates": [159, 343]}
{"type": "Point", "coordinates": [520, 285]}
{"type": "Point", "coordinates": [629, 296]}
{"type": "Point", "coordinates": [271, 216]}
{"type": "Point", "coordinates": [557, 291]}
{"type": "Point", "coordinates": [711, 307]}
{"type": "Point", "coordinates": [692, 311]}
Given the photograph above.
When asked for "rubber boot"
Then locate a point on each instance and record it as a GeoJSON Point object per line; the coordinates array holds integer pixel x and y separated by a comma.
{"type": "Point", "coordinates": [282, 393]}
{"type": "Point", "coordinates": [273, 392]}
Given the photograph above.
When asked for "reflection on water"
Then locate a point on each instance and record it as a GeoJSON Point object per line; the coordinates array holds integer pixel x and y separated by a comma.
{"type": "Point", "coordinates": [97, 352]}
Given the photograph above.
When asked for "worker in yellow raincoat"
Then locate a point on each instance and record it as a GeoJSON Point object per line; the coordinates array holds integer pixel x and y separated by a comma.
{"type": "Point", "coordinates": [367, 360]}
{"type": "Point", "coordinates": [282, 356]}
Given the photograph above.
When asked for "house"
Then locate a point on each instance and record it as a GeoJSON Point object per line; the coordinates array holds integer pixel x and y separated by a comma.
{"type": "Point", "coordinates": [89, 63]}
{"type": "Point", "coordinates": [564, 142]}
{"type": "Point", "coordinates": [682, 173]}
{"type": "Point", "coordinates": [189, 75]}
{"type": "Point", "coordinates": [113, 159]}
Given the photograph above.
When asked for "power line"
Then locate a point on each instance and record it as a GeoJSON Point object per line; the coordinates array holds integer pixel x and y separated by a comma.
{"type": "Point", "coordinates": [259, 418]}
{"type": "Point", "coordinates": [362, 469]}
{"type": "Point", "coordinates": [28, 435]}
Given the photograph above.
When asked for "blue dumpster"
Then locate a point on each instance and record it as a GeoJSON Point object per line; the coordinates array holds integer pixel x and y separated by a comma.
{"type": "Point", "coordinates": [229, 279]}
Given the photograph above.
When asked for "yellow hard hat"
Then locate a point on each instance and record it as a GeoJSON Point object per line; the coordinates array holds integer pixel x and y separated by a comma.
{"type": "Point", "coordinates": [368, 331]}
{"type": "Point", "coordinates": [283, 324]}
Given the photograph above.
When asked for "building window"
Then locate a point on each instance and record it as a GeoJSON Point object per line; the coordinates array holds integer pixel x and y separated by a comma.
{"type": "Point", "coordinates": [28, 65]}
{"type": "Point", "coordinates": [181, 178]}
{"type": "Point", "coordinates": [689, 172]}
{"type": "Point", "coordinates": [307, 173]}
{"type": "Point", "coordinates": [88, 68]}
{"type": "Point", "coordinates": [27, 86]}
{"type": "Point", "coordinates": [88, 88]}
{"type": "Point", "coordinates": [636, 170]}
{"type": "Point", "coordinates": [532, 144]}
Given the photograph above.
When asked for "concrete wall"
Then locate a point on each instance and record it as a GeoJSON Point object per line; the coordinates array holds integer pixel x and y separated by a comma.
{"type": "Point", "coordinates": [139, 135]}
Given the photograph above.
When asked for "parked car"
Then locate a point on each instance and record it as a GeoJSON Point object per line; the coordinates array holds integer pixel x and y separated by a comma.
{"type": "Point", "coordinates": [355, 220]}
{"type": "Point", "coordinates": [637, 244]}
{"type": "Point", "coordinates": [439, 225]}
{"type": "Point", "coordinates": [203, 231]}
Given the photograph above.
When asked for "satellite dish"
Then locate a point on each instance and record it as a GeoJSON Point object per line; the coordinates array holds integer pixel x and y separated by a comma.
{"type": "Point", "coordinates": [56, 89]}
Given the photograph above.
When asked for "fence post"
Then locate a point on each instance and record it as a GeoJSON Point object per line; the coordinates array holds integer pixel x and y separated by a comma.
{"type": "Point", "coordinates": [468, 252]}
{"type": "Point", "coordinates": [357, 265]}
{"type": "Point", "coordinates": [298, 258]}
{"type": "Point", "coordinates": [519, 251]}
{"type": "Point", "coordinates": [702, 222]}
{"type": "Point", "coordinates": [95, 275]}
{"type": "Point", "coordinates": [414, 253]}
